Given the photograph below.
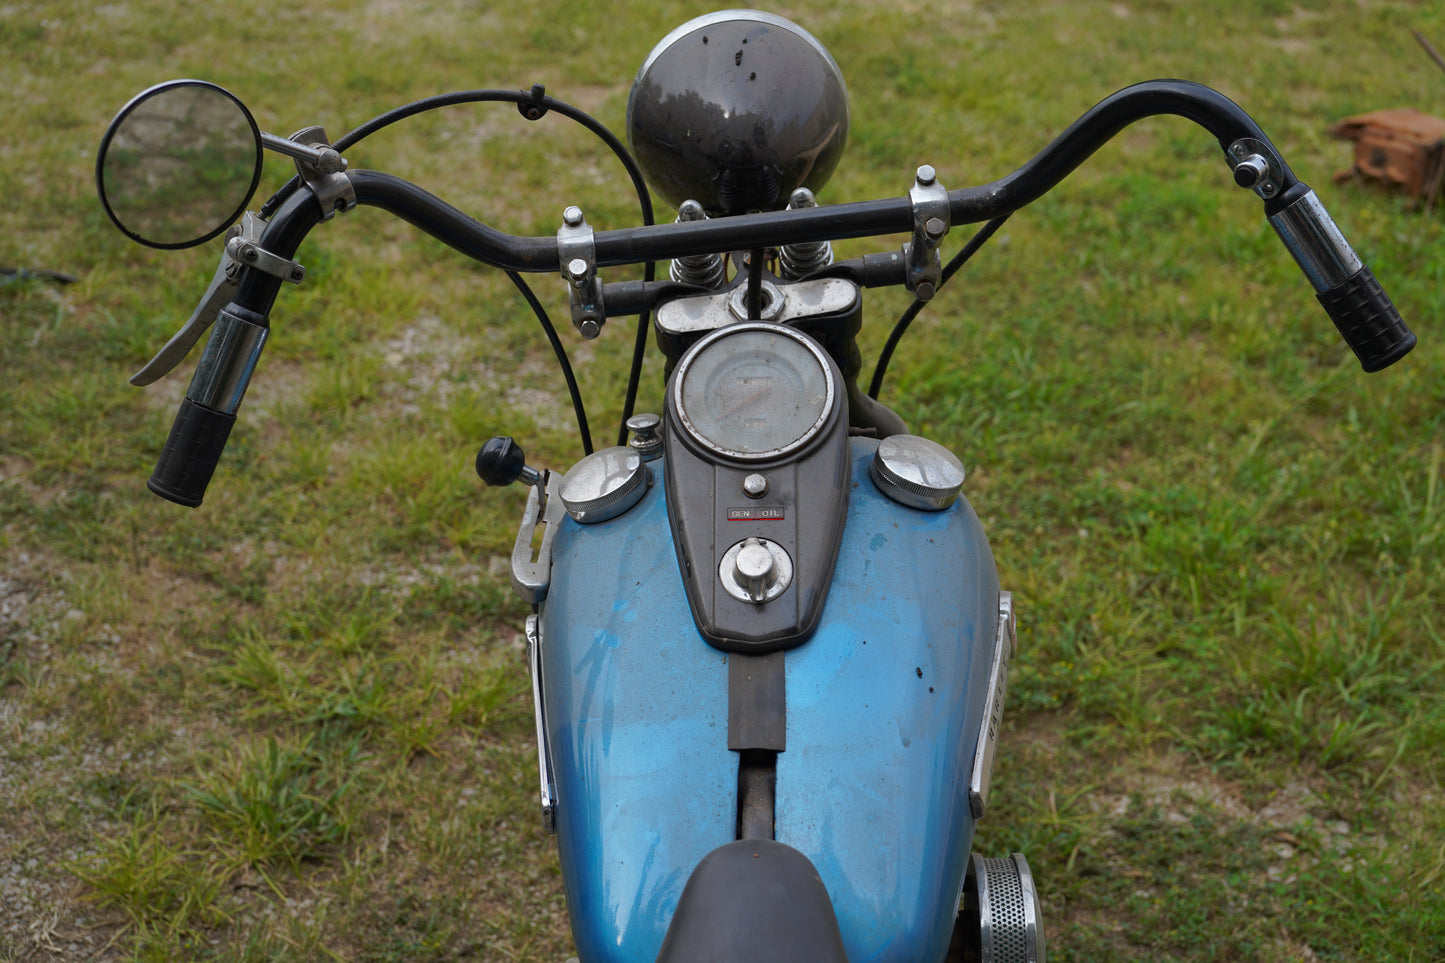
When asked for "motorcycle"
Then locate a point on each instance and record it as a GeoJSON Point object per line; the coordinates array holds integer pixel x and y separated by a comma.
{"type": "Point", "coordinates": [769, 649]}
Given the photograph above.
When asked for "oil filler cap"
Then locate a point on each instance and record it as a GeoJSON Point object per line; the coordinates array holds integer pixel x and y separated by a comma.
{"type": "Point", "coordinates": [916, 472]}
{"type": "Point", "coordinates": [604, 485]}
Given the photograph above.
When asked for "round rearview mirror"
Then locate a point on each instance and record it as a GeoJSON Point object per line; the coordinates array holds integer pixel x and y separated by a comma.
{"type": "Point", "coordinates": [179, 164]}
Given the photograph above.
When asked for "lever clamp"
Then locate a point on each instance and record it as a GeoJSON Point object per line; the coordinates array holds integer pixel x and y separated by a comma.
{"type": "Point", "coordinates": [242, 249]}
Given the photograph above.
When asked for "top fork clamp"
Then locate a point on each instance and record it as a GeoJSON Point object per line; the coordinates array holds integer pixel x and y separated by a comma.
{"type": "Point", "coordinates": [930, 226]}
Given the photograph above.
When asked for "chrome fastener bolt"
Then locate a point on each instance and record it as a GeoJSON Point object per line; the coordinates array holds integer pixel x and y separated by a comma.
{"type": "Point", "coordinates": [572, 216]}
{"type": "Point", "coordinates": [755, 485]}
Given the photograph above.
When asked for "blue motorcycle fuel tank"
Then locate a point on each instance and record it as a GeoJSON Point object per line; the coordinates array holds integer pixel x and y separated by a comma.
{"type": "Point", "coordinates": [885, 703]}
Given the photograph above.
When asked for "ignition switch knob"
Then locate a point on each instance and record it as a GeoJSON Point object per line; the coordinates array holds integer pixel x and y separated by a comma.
{"type": "Point", "coordinates": [756, 570]}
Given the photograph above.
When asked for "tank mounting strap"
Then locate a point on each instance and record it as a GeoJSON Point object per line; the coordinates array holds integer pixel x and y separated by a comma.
{"type": "Point", "coordinates": [1005, 646]}
{"type": "Point", "coordinates": [757, 732]}
{"type": "Point", "coordinates": [757, 702]}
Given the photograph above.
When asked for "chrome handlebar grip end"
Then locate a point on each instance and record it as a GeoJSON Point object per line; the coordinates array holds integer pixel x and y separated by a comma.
{"type": "Point", "coordinates": [208, 411]}
{"type": "Point", "coordinates": [226, 366]}
{"type": "Point", "coordinates": [1345, 287]}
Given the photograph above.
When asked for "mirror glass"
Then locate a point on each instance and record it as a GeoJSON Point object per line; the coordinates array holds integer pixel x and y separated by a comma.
{"type": "Point", "coordinates": [179, 164]}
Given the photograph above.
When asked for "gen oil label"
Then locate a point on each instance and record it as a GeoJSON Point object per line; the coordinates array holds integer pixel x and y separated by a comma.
{"type": "Point", "coordinates": [757, 513]}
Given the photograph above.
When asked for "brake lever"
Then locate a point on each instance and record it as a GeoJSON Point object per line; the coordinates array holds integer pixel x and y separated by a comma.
{"type": "Point", "coordinates": [219, 294]}
{"type": "Point", "coordinates": [241, 250]}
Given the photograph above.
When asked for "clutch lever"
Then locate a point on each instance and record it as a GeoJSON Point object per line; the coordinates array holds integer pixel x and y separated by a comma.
{"type": "Point", "coordinates": [241, 250]}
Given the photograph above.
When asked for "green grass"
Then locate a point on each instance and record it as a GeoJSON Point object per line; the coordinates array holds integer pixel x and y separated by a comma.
{"type": "Point", "coordinates": [295, 723]}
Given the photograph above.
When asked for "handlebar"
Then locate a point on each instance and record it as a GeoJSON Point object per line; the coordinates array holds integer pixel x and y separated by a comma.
{"type": "Point", "coordinates": [1207, 107]}
{"type": "Point", "coordinates": [1361, 311]}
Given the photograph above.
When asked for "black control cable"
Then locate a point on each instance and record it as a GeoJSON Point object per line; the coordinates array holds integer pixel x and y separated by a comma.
{"type": "Point", "coordinates": [959, 260]}
{"type": "Point", "coordinates": [532, 105]}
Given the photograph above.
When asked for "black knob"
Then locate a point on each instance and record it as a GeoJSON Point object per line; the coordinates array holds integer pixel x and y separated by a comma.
{"type": "Point", "coordinates": [501, 461]}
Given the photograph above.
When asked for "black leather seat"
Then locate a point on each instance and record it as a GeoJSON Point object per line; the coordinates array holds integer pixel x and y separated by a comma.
{"type": "Point", "coordinates": [758, 901]}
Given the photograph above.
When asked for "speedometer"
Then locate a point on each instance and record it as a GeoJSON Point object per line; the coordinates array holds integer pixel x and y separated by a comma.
{"type": "Point", "coordinates": [754, 392]}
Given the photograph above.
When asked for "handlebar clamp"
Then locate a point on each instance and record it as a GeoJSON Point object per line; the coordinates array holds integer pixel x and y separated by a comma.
{"type": "Point", "coordinates": [244, 251]}
{"type": "Point", "coordinates": [577, 253]}
{"type": "Point", "coordinates": [930, 226]}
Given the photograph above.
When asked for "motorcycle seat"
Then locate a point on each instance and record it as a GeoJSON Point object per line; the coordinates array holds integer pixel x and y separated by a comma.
{"type": "Point", "coordinates": [754, 900]}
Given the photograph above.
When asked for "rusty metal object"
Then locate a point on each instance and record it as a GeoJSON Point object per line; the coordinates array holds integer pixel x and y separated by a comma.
{"type": "Point", "coordinates": [1402, 148]}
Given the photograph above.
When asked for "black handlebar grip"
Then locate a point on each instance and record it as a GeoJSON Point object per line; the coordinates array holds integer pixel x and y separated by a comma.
{"type": "Point", "coordinates": [198, 436]}
{"type": "Point", "coordinates": [1368, 321]}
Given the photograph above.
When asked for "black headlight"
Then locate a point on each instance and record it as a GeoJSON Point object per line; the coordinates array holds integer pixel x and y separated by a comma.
{"type": "Point", "coordinates": [736, 110]}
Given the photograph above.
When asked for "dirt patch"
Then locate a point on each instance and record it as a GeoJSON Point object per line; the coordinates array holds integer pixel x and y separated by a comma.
{"type": "Point", "coordinates": [428, 354]}
{"type": "Point", "coordinates": [64, 785]}
{"type": "Point", "coordinates": [40, 769]}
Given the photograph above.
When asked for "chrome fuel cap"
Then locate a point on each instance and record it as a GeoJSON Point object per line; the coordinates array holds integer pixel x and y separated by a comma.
{"type": "Point", "coordinates": [604, 485]}
{"type": "Point", "coordinates": [916, 472]}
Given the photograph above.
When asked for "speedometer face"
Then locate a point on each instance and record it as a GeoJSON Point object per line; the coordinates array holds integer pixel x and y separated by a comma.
{"type": "Point", "coordinates": [754, 392]}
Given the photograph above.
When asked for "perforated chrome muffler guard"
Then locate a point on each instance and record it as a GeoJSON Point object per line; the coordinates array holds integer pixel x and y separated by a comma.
{"type": "Point", "coordinates": [998, 915]}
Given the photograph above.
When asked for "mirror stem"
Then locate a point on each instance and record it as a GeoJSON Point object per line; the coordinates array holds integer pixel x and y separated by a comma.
{"type": "Point", "coordinates": [326, 160]}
